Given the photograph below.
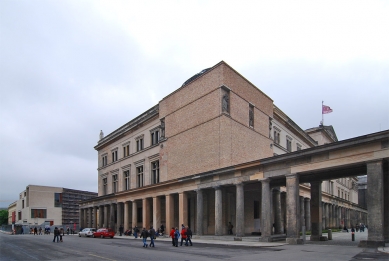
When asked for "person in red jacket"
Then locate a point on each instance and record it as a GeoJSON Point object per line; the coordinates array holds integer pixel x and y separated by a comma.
{"type": "Point", "coordinates": [172, 235]}
{"type": "Point", "coordinates": [183, 235]}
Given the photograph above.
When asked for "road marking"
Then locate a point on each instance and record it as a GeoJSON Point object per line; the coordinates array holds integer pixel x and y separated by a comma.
{"type": "Point", "coordinates": [103, 257]}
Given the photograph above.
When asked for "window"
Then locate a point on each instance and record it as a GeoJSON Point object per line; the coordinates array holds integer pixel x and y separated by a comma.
{"type": "Point", "coordinates": [288, 145]}
{"type": "Point", "coordinates": [155, 172]}
{"type": "Point", "coordinates": [154, 136]}
{"type": "Point", "coordinates": [104, 186]}
{"type": "Point", "coordinates": [104, 160]}
{"type": "Point", "coordinates": [23, 203]}
{"type": "Point", "coordinates": [251, 115]}
{"type": "Point", "coordinates": [58, 200]}
{"type": "Point", "coordinates": [126, 150]}
{"type": "Point", "coordinates": [38, 213]}
{"type": "Point", "coordinates": [126, 179]}
{"type": "Point", "coordinates": [298, 146]}
{"type": "Point", "coordinates": [20, 215]}
{"type": "Point", "coordinates": [225, 99]}
{"type": "Point", "coordinates": [114, 183]}
{"type": "Point", "coordinates": [139, 144]}
{"type": "Point", "coordinates": [338, 193]}
{"type": "Point", "coordinates": [114, 155]}
{"type": "Point", "coordinates": [139, 176]}
{"type": "Point", "coordinates": [256, 209]}
{"type": "Point", "coordinates": [276, 136]}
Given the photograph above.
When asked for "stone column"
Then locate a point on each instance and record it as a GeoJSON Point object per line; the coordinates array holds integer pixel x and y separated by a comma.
{"type": "Point", "coordinates": [323, 205]}
{"type": "Point", "coordinates": [112, 216]}
{"type": "Point", "coordinates": [156, 212]}
{"type": "Point", "coordinates": [106, 221]}
{"type": "Point", "coordinates": [85, 218]}
{"type": "Point", "coordinates": [283, 211]}
{"type": "Point", "coordinates": [302, 213]}
{"type": "Point", "coordinates": [134, 214]}
{"type": "Point", "coordinates": [126, 221]}
{"type": "Point", "coordinates": [95, 221]}
{"type": "Point", "coordinates": [182, 209]}
{"type": "Point", "coordinates": [327, 206]}
{"type": "Point", "coordinates": [90, 217]}
{"type": "Point", "coordinates": [266, 225]}
{"type": "Point", "coordinates": [307, 208]}
{"type": "Point", "coordinates": [200, 212]}
{"type": "Point", "coordinates": [386, 206]}
{"type": "Point", "coordinates": [239, 210]}
{"type": "Point", "coordinates": [292, 210]}
{"type": "Point", "coordinates": [218, 211]}
{"type": "Point", "coordinates": [119, 216]}
{"type": "Point", "coordinates": [101, 217]}
{"type": "Point", "coordinates": [145, 222]}
{"type": "Point", "coordinates": [81, 217]}
{"type": "Point", "coordinates": [316, 211]}
{"type": "Point", "coordinates": [375, 203]}
{"type": "Point", "coordinates": [278, 224]}
{"type": "Point", "coordinates": [169, 212]}
{"type": "Point", "coordinates": [333, 216]}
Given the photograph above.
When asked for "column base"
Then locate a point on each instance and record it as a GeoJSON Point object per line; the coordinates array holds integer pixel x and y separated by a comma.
{"type": "Point", "coordinates": [265, 239]}
{"type": "Point", "coordinates": [319, 238]}
{"type": "Point", "coordinates": [294, 241]}
{"type": "Point", "coordinates": [371, 244]}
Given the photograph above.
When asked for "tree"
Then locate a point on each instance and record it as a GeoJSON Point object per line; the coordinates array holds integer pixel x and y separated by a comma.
{"type": "Point", "coordinates": [3, 217]}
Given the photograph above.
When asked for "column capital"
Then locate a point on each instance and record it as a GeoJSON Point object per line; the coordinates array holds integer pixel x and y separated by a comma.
{"type": "Point", "coordinates": [218, 187]}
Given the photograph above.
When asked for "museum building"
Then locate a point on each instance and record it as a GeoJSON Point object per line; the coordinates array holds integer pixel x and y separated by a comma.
{"type": "Point", "coordinates": [192, 159]}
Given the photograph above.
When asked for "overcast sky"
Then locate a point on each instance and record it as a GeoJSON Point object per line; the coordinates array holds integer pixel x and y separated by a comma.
{"type": "Point", "coordinates": [69, 69]}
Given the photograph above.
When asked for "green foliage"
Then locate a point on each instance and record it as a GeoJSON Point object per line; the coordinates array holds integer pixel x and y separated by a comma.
{"type": "Point", "coordinates": [3, 217]}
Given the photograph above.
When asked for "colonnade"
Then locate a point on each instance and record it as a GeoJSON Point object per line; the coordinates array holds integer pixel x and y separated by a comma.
{"type": "Point", "coordinates": [208, 209]}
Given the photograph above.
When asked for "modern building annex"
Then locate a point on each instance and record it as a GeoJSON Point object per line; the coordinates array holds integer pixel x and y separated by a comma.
{"type": "Point", "coordinates": [217, 150]}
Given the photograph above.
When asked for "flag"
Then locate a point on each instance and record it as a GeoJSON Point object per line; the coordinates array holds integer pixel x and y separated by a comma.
{"type": "Point", "coordinates": [326, 109]}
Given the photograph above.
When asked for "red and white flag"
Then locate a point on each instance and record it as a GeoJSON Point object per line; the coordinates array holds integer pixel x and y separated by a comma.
{"type": "Point", "coordinates": [326, 109]}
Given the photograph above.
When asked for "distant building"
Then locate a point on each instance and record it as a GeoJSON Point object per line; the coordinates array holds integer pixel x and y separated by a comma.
{"type": "Point", "coordinates": [39, 205]}
{"type": "Point", "coordinates": [362, 191]}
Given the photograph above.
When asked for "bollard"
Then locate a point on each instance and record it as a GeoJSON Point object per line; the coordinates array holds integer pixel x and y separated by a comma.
{"type": "Point", "coordinates": [352, 236]}
{"type": "Point", "coordinates": [329, 234]}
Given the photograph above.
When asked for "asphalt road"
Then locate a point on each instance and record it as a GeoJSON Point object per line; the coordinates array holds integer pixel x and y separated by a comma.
{"type": "Point", "coordinates": [30, 247]}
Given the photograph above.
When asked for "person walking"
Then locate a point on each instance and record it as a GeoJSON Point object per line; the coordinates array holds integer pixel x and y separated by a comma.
{"type": "Point", "coordinates": [61, 233]}
{"type": "Point", "coordinates": [152, 236]}
{"type": "Point", "coordinates": [230, 227]}
{"type": "Point", "coordinates": [67, 230]}
{"type": "Point", "coordinates": [136, 231]}
{"type": "Point", "coordinates": [176, 237]}
{"type": "Point", "coordinates": [56, 234]}
{"type": "Point", "coordinates": [144, 235]}
{"type": "Point", "coordinates": [121, 230]}
{"type": "Point", "coordinates": [162, 229]}
{"type": "Point", "coordinates": [183, 235]}
{"type": "Point", "coordinates": [188, 236]}
{"type": "Point", "coordinates": [35, 231]}
{"type": "Point", "coordinates": [172, 236]}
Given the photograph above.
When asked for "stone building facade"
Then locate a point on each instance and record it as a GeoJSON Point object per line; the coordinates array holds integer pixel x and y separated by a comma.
{"type": "Point", "coordinates": [187, 161]}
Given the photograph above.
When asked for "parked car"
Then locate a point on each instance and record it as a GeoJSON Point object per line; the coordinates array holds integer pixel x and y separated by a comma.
{"type": "Point", "coordinates": [87, 232]}
{"type": "Point", "coordinates": [104, 232]}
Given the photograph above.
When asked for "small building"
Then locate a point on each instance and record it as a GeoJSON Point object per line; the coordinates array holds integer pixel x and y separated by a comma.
{"type": "Point", "coordinates": [38, 205]}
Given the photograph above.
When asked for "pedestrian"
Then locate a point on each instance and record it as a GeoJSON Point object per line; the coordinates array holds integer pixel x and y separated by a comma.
{"type": "Point", "coordinates": [152, 236]}
{"type": "Point", "coordinates": [61, 233]}
{"type": "Point", "coordinates": [35, 231]}
{"type": "Point", "coordinates": [56, 234]}
{"type": "Point", "coordinates": [176, 236]}
{"type": "Point", "coordinates": [40, 230]}
{"type": "Point", "coordinates": [172, 236]}
{"type": "Point", "coordinates": [162, 229]}
{"type": "Point", "coordinates": [22, 231]}
{"type": "Point", "coordinates": [144, 235]}
{"type": "Point", "coordinates": [121, 230]}
{"type": "Point", "coordinates": [183, 235]}
{"type": "Point", "coordinates": [188, 236]}
{"type": "Point", "coordinates": [230, 227]}
{"type": "Point", "coordinates": [136, 231]}
{"type": "Point", "coordinates": [67, 230]}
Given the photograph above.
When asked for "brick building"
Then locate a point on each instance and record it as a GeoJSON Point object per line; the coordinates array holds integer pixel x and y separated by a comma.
{"type": "Point", "coordinates": [181, 162]}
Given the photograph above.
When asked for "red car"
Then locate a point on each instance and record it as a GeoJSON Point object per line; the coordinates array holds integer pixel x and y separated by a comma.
{"type": "Point", "coordinates": [104, 232]}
